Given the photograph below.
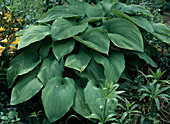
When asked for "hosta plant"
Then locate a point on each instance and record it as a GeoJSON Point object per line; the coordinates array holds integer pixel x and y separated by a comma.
{"type": "Point", "coordinates": [73, 49]}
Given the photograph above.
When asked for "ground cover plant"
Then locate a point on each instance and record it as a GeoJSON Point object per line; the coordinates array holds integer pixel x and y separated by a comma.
{"type": "Point", "coordinates": [76, 55]}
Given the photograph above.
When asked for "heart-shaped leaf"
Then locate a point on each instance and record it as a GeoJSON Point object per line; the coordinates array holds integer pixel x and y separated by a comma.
{"type": "Point", "coordinates": [95, 11]}
{"type": "Point", "coordinates": [124, 34]}
{"type": "Point", "coordinates": [131, 9]}
{"type": "Point", "coordinates": [95, 39]}
{"type": "Point", "coordinates": [81, 4]}
{"type": "Point", "coordinates": [80, 105]}
{"type": "Point", "coordinates": [65, 28]}
{"type": "Point", "coordinates": [113, 65]}
{"type": "Point", "coordinates": [93, 97]}
{"type": "Point", "coordinates": [138, 20]}
{"type": "Point", "coordinates": [58, 97]}
{"type": "Point", "coordinates": [161, 31]}
{"type": "Point", "coordinates": [62, 12]}
{"type": "Point", "coordinates": [143, 56]}
{"type": "Point", "coordinates": [22, 64]}
{"type": "Point", "coordinates": [26, 88]}
{"type": "Point", "coordinates": [45, 48]}
{"type": "Point", "coordinates": [78, 61]}
{"type": "Point", "coordinates": [107, 4]}
{"type": "Point", "coordinates": [50, 68]}
{"type": "Point", "coordinates": [62, 48]}
{"type": "Point", "coordinates": [94, 71]}
{"type": "Point", "coordinates": [33, 34]}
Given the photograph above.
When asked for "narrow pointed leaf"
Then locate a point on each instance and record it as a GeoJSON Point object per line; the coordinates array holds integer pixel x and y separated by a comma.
{"type": "Point", "coordinates": [165, 97]}
{"type": "Point", "coordinates": [133, 107]}
{"type": "Point", "coordinates": [58, 97]}
{"type": "Point", "coordinates": [144, 89]}
{"type": "Point", "coordinates": [95, 116]}
{"type": "Point", "coordinates": [163, 89]}
{"type": "Point", "coordinates": [143, 96]}
{"type": "Point", "coordinates": [123, 117]}
{"type": "Point", "coordinates": [157, 103]}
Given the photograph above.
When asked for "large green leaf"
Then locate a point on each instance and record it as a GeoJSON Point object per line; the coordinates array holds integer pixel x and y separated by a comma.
{"type": "Point", "coordinates": [131, 9]}
{"type": "Point", "coordinates": [161, 31]}
{"type": "Point", "coordinates": [144, 56]}
{"type": "Point", "coordinates": [143, 23]}
{"type": "Point", "coordinates": [45, 48]}
{"type": "Point", "coordinates": [124, 34]}
{"type": "Point", "coordinates": [50, 68]}
{"type": "Point", "coordinates": [93, 19]}
{"type": "Point", "coordinates": [33, 34]}
{"type": "Point", "coordinates": [95, 11]}
{"type": "Point", "coordinates": [80, 105]}
{"type": "Point", "coordinates": [65, 28]}
{"type": "Point", "coordinates": [62, 48]}
{"type": "Point", "coordinates": [62, 11]}
{"type": "Point", "coordinates": [83, 5]}
{"type": "Point", "coordinates": [27, 86]}
{"type": "Point", "coordinates": [138, 20]}
{"type": "Point", "coordinates": [92, 97]}
{"type": "Point", "coordinates": [95, 39]}
{"type": "Point", "coordinates": [94, 71]}
{"type": "Point", "coordinates": [107, 4]}
{"type": "Point", "coordinates": [58, 97]}
{"type": "Point", "coordinates": [77, 61]}
{"type": "Point", "coordinates": [113, 65]}
{"type": "Point", "coordinates": [22, 64]}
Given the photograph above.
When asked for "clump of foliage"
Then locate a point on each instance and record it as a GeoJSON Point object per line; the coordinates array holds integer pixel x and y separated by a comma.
{"type": "Point", "coordinates": [150, 93]}
{"type": "Point", "coordinates": [9, 117]}
{"type": "Point", "coordinates": [9, 25]}
{"type": "Point", "coordinates": [76, 53]}
{"type": "Point", "coordinates": [29, 10]}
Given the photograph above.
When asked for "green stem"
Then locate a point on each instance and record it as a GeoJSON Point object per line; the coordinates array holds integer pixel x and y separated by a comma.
{"type": "Point", "coordinates": [104, 112]}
